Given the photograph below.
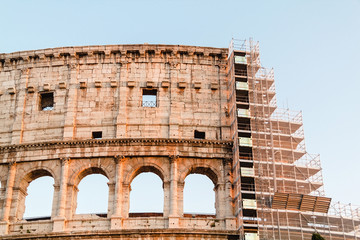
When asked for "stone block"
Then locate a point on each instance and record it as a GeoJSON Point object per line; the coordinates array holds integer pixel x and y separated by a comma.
{"type": "Point", "coordinates": [59, 224]}
{"type": "Point", "coordinates": [83, 84]}
{"type": "Point", "coordinates": [4, 228]}
{"type": "Point", "coordinates": [173, 222]}
{"type": "Point", "coordinates": [197, 85]}
{"type": "Point", "coordinates": [182, 85]}
{"type": "Point", "coordinates": [115, 222]}
{"type": "Point", "coordinates": [46, 87]}
{"type": "Point", "coordinates": [113, 83]}
{"type": "Point", "coordinates": [30, 89]}
{"type": "Point", "coordinates": [214, 86]}
{"type": "Point", "coordinates": [11, 90]}
{"type": "Point", "coordinates": [131, 84]}
{"type": "Point", "coordinates": [62, 85]}
{"type": "Point", "coordinates": [97, 84]}
{"type": "Point", "coordinates": [150, 84]}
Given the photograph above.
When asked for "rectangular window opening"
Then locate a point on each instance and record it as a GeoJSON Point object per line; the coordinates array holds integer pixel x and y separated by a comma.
{"type": "Point", "coordinates": [46, 101]}
{"type": "Point", "coordinates": [199, 135]}
{"type": "Point", "coordinates": [149, 98]}
{"type": "Point", "coordinates": [97, 135]}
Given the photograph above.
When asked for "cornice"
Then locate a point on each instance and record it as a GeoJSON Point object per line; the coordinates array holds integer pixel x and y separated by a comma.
{"type": "Point", "coordinates": [100, 51]}
{"type": "Point", "coordinates": [115, 141]}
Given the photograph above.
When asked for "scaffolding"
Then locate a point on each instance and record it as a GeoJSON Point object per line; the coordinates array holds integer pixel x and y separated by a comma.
{"type": "Point", "coordinates": [277, 184]}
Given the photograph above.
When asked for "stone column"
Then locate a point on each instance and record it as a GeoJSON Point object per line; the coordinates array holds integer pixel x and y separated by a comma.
{"type": "Point", "coordinates": [222, 192]}
{"type": "Point", "coordinates": [220, 203]}
{"type": "Point", "coordinates": [2, 193]}
{"type": "Point", "coordinates": [166, 188]}
{"type": "Point", "coordinates": [56, 196]}
{"type": "Point", "coordinates": [229, 211]}
{"type": "Point", "coordinates": [111, 198]}
{"type": "Point", "coordinates": [126, 188]}
{"type": "Point", "coordinates": [118, 193]}
{"type": "Point", "coordinates": [173, 211]}
{"type": "Point", "coordinates": [181, 198]}
{"type": "Point", "coordinates": [4, 224]}
{"type": "Point", "coordinates": [71, 199]}
{"type": "Point", "coordinates": [18, 206]}
{"type": "Point", "coordinates": [71, 104]}
{"type": "Point", "coordinates": [59, 220]}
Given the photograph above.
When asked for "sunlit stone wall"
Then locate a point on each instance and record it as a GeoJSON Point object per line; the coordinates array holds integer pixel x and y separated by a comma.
{"type": "Point", "coordinates": [118, 111]}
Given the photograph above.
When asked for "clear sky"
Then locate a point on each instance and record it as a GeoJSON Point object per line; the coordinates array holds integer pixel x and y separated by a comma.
{"type": "Point", "coordinates": [313, 46]}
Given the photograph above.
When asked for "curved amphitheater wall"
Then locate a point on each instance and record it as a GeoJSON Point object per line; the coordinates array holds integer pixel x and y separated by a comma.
{"type": "Point", "coordinates": [117, 111]}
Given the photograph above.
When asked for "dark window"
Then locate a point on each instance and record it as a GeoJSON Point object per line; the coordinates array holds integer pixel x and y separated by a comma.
{"type": "Point", "coordinates": [198, 134]}
{"type": "Point", "coordinates": [46, 101]}
{"type": "Point", "coordinates": [149, 98]}
{"type": "Point", "coordinates": [96, 135]}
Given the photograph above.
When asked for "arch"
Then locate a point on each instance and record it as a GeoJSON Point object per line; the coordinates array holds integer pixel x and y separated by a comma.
{"type": "Point", "coordinates": [76, 179]}
{"type": "Point", "coordinates": [132, 172]}
{"type": "Point", "coordinates": [81, 171]}
{"type": "Point", "coordinates": [145, 168]}
{"type": "Point", "coordinates": [39, 199]}
{"type": "Point", "coordinates": [213, 172]}
{"type": "Point", "coordinates": [146, 186]}
{"type": "Point", "coordinates": [199, 194]}
{"type": "Point", "coordinates": [87, 171]}
{"type": "Point", "coordinates": [204, 170]}
{"type": "Point", "coordinates": [93, 194]}
{"type": "Point", "coordinates": [27, 178]}
{"type": "Point", "coordinates": [34, 173]}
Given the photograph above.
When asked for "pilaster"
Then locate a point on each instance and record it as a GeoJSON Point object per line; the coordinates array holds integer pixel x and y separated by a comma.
{"type": "Point", "coordinates": [173, 212]}
{"type": "Point", "coordinates": [116, 217]}
{"type": "Point", "coordinates": [4, 224]}
{"type": "Point", "coordinates": [60, 219]}
{"type": "Point", "coordinates": [229, 211]}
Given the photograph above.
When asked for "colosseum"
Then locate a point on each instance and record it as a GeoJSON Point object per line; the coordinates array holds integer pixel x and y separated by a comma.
{"type": "Point", "coordinates": [122, 110]}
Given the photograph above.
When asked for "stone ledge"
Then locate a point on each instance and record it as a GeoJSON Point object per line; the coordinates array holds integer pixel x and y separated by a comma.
{"type": "Point", "coordinates": [141, 50]}
{"type": "Point", "coordinates": [130, 234]}
{"type": "Point", "coordinates": [115, 141]}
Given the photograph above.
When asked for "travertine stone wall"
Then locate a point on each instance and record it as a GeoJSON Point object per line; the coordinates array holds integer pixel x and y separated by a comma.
{"type": "Point", "coordinates": [156, 234]}
{"type": "Point", "coordinates": [100, 89]}
{"type": "Point", "coordinates": [68, 162]}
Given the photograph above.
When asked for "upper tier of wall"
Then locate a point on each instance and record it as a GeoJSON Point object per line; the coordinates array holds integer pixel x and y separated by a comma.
{"type": "Point", "coordinates": [100, 88]}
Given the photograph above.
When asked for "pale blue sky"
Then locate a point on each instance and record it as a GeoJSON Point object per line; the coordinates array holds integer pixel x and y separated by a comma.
{"type": "Point", "coordinates": [313, 46]}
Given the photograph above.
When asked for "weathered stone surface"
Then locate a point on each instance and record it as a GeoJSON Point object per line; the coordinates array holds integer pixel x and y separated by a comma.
{"type": "Point", "coordinates": [99, 89]}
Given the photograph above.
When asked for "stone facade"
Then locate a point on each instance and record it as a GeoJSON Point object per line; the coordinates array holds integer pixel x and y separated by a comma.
{"type": "Point", "coordinates": [56, 102]}
{"type": "Point", "coordinates": [100, 88]}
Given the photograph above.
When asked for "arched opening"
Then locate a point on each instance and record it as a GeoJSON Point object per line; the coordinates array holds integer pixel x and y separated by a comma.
{"type": "Point", "coordinates": [198, 195]}
{"type": "Point", "coordinates": [147, 195]}
{"type": "Point", "coordinates": [93, 194]}
{"type": "Point", "coordinates": [39, 199]}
